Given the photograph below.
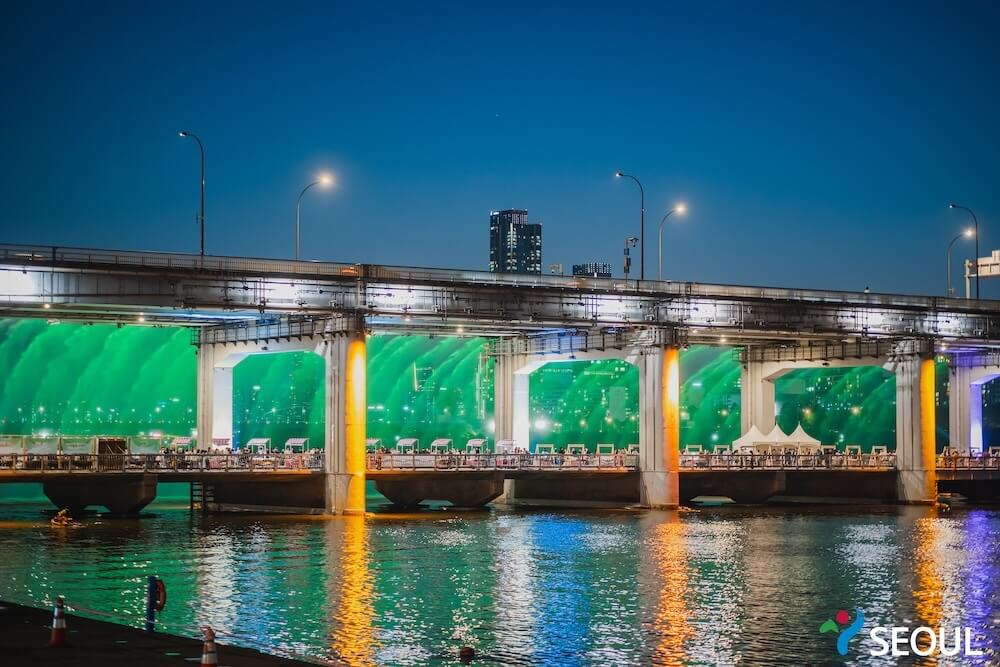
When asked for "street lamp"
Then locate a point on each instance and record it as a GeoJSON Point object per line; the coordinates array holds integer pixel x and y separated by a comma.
{"type": "Point", "coordinates": [324, 180]}
{"type": "Point", "coordinates": [967, 233]}
{"type": "Point", "coordinates": [629, 243]}
{"type": "Point", "coordinates": [679, 208]}
{"type": "Point", "coordinates": [642, 224]}
{"type": "Point", "coordinates": [201, 214]}
{"type": "Point", "coordinates": [975, 223]}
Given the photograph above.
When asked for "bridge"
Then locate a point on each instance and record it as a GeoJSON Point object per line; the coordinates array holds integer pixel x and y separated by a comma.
{"type": "Point", "coordinates": [237, 306]}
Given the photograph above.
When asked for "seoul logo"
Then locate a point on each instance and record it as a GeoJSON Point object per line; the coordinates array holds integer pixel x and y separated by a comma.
{"type": "Point", "coordinates": [901, 641]}
{"type": "Point", "coordinates": [845, 628]}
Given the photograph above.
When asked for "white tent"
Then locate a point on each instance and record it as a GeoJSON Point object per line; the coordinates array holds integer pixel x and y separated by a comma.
{"type": "Point", "coordinates": [777, 437]}
{"type": "Point", "coordinates": [800, 437]}
{"type": "Point", "coordinates": [748, 439]}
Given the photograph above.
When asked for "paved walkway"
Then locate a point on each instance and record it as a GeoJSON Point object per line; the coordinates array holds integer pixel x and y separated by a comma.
{"type": "Point", "coordinates": [25, 631]}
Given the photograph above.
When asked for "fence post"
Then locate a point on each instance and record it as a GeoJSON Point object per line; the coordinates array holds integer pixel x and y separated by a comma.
{"type": "Point", "coordinates": [150, 603]}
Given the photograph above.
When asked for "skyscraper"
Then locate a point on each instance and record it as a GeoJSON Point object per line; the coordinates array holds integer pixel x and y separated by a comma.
{"type": "Point", "coordinates": [515, 244]}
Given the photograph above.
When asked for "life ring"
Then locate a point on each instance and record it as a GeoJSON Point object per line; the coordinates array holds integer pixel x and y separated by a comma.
{"type": "Point", "coordinates": [161, 595]}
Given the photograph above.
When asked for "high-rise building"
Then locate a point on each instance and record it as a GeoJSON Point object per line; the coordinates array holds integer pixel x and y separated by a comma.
{"type": "Point", "coordinates": [515, 244]}
{"type": "Point", "coordinates": [593, 270]}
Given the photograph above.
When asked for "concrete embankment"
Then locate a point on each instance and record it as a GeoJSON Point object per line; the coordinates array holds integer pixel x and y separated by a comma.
{"type": "Point", "coordinates": [25, 633]}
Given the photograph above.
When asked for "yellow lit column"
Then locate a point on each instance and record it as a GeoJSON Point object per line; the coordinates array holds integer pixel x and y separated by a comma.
{"type": "Point", "coordinates": [355, 423]}
{"type": "Point", "coordinates": [346, 415]}
{"type": "Point", "coordinates": [672, 421]}
{"type": "Point", "coordinates": [659, 427]}
{"type": "Point", "coordinates": [915, 430]}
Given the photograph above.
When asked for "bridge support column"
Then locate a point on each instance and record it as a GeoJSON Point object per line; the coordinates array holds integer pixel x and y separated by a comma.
{"type": "Point", "coordinates": [345, 358]}
{"type": "Point", "coordinates": [659, 427]}
{"type": "Point", "coordinates": [215, 396]}
{"type": "Point", "coordinates": [963, 415]}
{"type": "Point", "coordinates": [510, 408]}
{"type": "Point", "coordinates": [756, 397]}
{"type": "Point", "coordinates": [915, 433]}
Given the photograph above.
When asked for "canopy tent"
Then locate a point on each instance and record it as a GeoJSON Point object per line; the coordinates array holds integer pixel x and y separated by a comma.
{"type": "Point", "coordinates": [748, 439]}
{"type": "Point", "coordinates": [800, 437]}
{"type": "Point", "coordinates": [777, 437]}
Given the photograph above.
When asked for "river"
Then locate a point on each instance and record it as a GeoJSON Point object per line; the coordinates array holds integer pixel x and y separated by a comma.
{"type": "Point", "coordinates": [544, 587]}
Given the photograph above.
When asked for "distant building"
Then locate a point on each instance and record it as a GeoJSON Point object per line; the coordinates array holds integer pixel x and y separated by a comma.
{"type": "Point", "coordinates": [593, 270]}
{"type": "Point", "coordinates": [515, 244]}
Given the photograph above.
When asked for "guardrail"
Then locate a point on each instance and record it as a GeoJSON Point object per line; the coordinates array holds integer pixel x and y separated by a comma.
{"type": "Point", "coordinates": [967, 462]}
{"type": "Point", "coordinates": [486, 462]}
{"type": "Point", "coordinates": [780, 461]}
{"type": "Point", "coordinates": [26, 255]}
{"type": "Point", "coordinates": [184, 462]}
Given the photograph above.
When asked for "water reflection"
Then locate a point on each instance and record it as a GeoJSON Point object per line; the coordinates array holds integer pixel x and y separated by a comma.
{"type": "Point", "coordinates": [352, 638]}
{"type": "Point", "coordinates": [556, 588]}
{"type": "Point", "coordinates": [667, 566]}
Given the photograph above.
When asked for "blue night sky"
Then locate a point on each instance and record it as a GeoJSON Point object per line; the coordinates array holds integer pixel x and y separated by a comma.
{"type": "Point", "coordinates": [817, 144]}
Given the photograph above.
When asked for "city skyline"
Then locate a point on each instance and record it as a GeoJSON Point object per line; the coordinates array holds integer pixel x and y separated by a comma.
{"type": "Point", "coordinates": [784, 189]}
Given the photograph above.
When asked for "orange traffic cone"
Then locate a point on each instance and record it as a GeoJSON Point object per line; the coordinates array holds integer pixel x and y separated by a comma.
{"type": "Point", "coordinates": [209, 656]}
{"type": "Point", "coordinates": [58, 624]}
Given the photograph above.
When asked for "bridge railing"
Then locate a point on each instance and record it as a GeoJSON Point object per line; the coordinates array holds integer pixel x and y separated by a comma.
{"type": "Point", "coordinates": [524, 462]}
{"type": "Point", "coordinates": [166, 462]}
{"type": "Point", "coordinates": [782, 461]}
{"type": "Point", "coordinates": [955, 461]}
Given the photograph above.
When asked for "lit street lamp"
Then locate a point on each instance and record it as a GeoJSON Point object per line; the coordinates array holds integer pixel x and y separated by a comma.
{"type": "Point", "coordinates": [201, 214]}
{"type": "Point", "coordinates": [642, 224]}
{"type": "Point", "coordinates": [679, 208]}
{"type": "Point", "coordinates": [975, 223]}
{"type": "Point", "coordinates": [968, 233]}
{"type": "Point", "coordinates": [325, 180]}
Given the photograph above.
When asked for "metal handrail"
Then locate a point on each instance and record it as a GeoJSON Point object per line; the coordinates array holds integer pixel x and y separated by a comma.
{"type": "Point", "coordinates": [787, 461]}
{"type": "Point", "coordinates": [60, 463]}
{"type": "Point", "coordinates": [956, 461]}
{"type": "Point", "coordinates": [426, 462]}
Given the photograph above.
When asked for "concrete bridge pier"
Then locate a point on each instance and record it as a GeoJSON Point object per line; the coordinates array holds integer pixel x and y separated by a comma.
{"type": "Point", "coordinates": [659, 426]}
{"type": "Point", "coordinates": [123, 496]}
{"type": "Point", "coordinates": [343, 349]}
{"type": "Point", "coordinates": [659, 422]}
{"type": "Point", "coordinates": [510, 398]}
{"type": "Point", "coordinates": [916, 481]}
{"type": "Point", "coordinates": [965, 402]}
{"type": "Point", "coordinates": [345, 355]}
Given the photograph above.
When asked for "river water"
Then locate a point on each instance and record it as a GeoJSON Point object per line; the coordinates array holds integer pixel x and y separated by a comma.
{"type": "Point", "coordinates": [725, 586]}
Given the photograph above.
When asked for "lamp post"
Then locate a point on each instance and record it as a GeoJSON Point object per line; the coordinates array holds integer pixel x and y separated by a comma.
{"type": "Point", "coordinates": [201, 214]}
{"type": "Point", "coordinates": [975, 223]}
{"type": "Point", "coordinates": [629, 243]}
{"type": "Point", "coordinates": [326, 181]}
{"type": "Point", "coordinates": [967, 233]}
{"type": "Point", "coordinates": [642, 224]}
{"type": "Point", "coordinates": [679, 208]}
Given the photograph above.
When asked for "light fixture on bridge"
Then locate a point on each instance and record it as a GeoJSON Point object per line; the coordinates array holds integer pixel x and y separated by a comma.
{"type": "Point", "coordinates": [324, 180]}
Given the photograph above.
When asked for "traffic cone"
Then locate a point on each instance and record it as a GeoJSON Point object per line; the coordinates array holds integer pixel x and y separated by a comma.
{"type": "Point", "coordinates": [209, 656]}
{"type": "Point", "coordinates": [58, 624]}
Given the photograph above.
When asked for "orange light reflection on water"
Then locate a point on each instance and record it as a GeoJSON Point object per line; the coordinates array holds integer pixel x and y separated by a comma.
{"type": "Point", "coordinates": [353, 635]}
{"type": "Point", "coordinates": [929, 587]}
{"type": "Point", "coordinates": [670, 622]}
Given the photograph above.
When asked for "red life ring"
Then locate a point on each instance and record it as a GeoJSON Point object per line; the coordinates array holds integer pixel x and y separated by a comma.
{"type": "Point", "coordinates": [161, 595]}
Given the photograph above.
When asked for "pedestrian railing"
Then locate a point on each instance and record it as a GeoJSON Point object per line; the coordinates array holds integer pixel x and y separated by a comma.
{"type": "Point", "coordinates": [788, 461]}
{"type": "Point", "coordinates": [956, 461]}
{"type": "Point", "coordinates": [502, 462]}
{"type": "Point", "coordinates": [165, 462]}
